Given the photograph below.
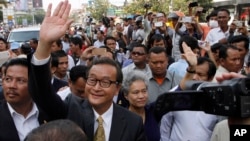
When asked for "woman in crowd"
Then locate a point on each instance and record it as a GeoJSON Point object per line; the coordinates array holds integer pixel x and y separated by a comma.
{"type": "Point", "coordinates": [135, 91]}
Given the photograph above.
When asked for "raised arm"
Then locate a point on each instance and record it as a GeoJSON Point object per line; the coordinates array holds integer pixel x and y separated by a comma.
{"type": "Point", "coordinates": [191, 58]}
{"type": "Point", "coordinates": [53, 27]}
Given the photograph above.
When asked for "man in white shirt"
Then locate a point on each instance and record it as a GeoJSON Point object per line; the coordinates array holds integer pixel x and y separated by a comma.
{"type": "Point", "coordinates": [19, 114]}
{"type": "Point", "coordinates": [220, 34]}
{"type": "Point", "coordinates": [100, 39]}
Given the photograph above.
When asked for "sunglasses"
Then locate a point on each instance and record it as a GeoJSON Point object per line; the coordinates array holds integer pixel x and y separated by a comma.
{"type": "Point", "coordinates": [138, 53]}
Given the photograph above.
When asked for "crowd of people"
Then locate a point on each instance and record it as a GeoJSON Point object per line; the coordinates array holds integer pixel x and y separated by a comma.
{"type": "Point", "coordinates": [108, 84]}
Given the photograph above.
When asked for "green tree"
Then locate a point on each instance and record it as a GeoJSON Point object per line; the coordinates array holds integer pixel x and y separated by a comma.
{"type": "Point", "coordinates": [39, 15]}
{"type": "Point", "coordinates": [99, 8]}
{"type": "Point", "coordinates": [136, 7]}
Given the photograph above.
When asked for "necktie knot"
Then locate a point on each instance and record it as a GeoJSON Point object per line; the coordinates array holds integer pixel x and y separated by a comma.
{"type": "Point", "coordinates": [100, 120]}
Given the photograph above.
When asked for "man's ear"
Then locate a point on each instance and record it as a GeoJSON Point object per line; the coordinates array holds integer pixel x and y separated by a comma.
{"type": "Point", "coordinates": [53, 70]}
{"type": "Point", "coordinates": [222, 61]}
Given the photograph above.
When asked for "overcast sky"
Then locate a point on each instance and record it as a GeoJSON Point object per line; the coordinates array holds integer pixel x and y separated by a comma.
{"type": "Point", "coordinates": [76, 4]}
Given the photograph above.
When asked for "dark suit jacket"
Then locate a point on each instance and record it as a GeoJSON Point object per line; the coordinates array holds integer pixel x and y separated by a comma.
{"type": "Point", "coordinates": [126, 126]}
{"type": "Point", "coordinates": [8, 131]}
{"type": "Point", "coordinates": [57, 84]}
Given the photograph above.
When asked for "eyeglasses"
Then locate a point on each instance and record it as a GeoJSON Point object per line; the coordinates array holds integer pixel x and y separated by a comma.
{"type": "Point", "coordinates": [138, 53]}
{"type": "Point", "coordinates": [103, 83]}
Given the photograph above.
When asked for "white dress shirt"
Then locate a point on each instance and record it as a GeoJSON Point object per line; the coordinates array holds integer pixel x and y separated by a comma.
{"type": "Point", "coordinates": [24, 124]}
{"type": "Point", "coordinates": [107, 121]}
{"type": "Point", "coordinates": [216, 34]}
{"type": "Point", "coordinates": [64, 93]}
{"type": "Point", "coordinates": [98, 43]}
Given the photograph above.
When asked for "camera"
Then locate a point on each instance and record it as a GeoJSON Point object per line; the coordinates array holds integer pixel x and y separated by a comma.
{"type": "Point", "coordinates": [229, 98]}
{"type": "Point", "coordinates": [147, 6]}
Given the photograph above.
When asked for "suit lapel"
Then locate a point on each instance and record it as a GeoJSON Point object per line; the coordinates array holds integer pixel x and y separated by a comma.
{"type": "Point", "coordinates": [88, 120]}
{"type": "Point", "coordinates": [118, 124]}
{"type": "Point", "coordinates": [7, 125]}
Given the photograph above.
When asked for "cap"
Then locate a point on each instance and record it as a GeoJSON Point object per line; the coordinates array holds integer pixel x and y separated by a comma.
{"type": "Point", "coordinates": [172, 15]}
{"type": "Point", "coordinates": [14, 45]}
{"type": "Point", "coordinates": [139, 18]}
{"type": "Point", "coordinates": [130, 17]}
{"type": "Point", "coordinates": [159, 15]}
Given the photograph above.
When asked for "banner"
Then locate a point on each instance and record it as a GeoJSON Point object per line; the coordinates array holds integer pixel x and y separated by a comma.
{"type": "Point", "coordinates": [21, 5]}
{"type": "Point", "coordinates": [37, 3]}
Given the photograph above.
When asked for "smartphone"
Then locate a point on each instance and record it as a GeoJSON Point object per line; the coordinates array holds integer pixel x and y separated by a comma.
{"type": "Point", "coordinates": [4, 56]}
{"type": "Point", "coordinates": [99, 51]}
{"type": "Point", "coordinates": [238, 23]}
{"type": "Point", "coordinates": [79, 33]}
{"type": "Point", "coordinates": [186, 19]}
{"type": "Point", "coordinates": [158, 24]}
{"type": "Point", "coordinates": [193, 4]}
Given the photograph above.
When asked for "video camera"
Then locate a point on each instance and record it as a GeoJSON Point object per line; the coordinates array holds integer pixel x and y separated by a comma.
{"type": "Point", "coordinates": [147, 5]}
{"type": "Point", "coordinates": [229, 98]}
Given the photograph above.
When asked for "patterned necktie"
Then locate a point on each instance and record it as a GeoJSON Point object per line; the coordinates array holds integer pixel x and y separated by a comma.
{"type": "Point", "coordinates": [99, 134]}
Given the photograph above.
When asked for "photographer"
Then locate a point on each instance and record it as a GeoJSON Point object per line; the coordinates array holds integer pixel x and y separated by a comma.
{"type": "Point", "coordinates": [190, 125]}
{"type": "Point", "coordinates": [138, 34]}
{"type": "Point", "coordinates": [222, 129]}
{"type": "Point", "coordinates": [159, 27]}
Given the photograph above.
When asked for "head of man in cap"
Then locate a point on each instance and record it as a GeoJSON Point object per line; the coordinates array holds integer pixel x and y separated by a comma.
{"type": "Point", "coordinates": [14, 47]}
{"type": "Point", "coordinates": [161, 16]}
{"type": "Point", "coordinates": [173, 18]}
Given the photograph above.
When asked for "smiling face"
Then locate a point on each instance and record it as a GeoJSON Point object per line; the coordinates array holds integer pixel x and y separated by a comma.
{"type": "Point", "coordinates": [102, 98]}
{"type": "Point", "coordinates": [15, 86]}
{"type": "Point", "coordinates": [137, 95]}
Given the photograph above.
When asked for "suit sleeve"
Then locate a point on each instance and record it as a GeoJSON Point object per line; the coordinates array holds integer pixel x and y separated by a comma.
{"type": "Point", "coordinates": [42, 92]}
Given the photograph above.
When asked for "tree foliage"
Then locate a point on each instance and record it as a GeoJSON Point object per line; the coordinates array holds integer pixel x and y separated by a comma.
{"type": "Point", "coordinates": [99, 8]}
{"type": "Point", "coordinates": [136, 7]}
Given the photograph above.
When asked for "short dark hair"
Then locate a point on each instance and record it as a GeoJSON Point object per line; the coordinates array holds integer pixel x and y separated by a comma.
{"type": "Point", "coordinates": [34, 40]}
{"type": "Point", "coordinates": [223, 50]}
{"type": "Point", "coordinates": [76, 72]}
{"type": "Point", "coordinates": [142, 46]}
{"type": "Point", "coordinates": [240, 38]}
{"type": "Point", "coordinates": [108, 61]}
{"type": "Point", "coordinates": [223, 9]}
{"type": "Point", "coordinates": [109, 38]}
{"type": "Point", "coordinates": [158, 50]}
{"type": "Point", "coordinates": [211, 66]}
{"type": "Point", "coordinates": [190, 41]}
{"type": "Point", "coordinates": [212, 14]}
{"type": "Point", "coordinates": [216, 46]}
{"type": "Point", "coordinates": [61, 130]}
{"type": "Point", "coordinates": [157, 38]}
{"type": "Point", "coordinates": [25, 48]}
{"type": "Point", "coordinates": [16, 62]}
{"type": "Point", "coordinates": [55, 57]}
{"type": "Point", "coordinates": [2, 39]}
{"type": "Point", "coordinates": [59, 43]}
{"type": "Point", "coordinates": [76, 41]}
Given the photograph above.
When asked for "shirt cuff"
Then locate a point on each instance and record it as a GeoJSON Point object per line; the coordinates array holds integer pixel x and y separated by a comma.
{"type": "Point", "coordinates": [37, 62]}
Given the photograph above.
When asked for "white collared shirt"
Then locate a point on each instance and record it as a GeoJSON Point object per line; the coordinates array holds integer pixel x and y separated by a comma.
{"type": "Point", "coordinates": [107, 121]}
{"type": "Point", "coordinates": [25, 124]}
{"type": "Point", "coordinates": [216, 34]}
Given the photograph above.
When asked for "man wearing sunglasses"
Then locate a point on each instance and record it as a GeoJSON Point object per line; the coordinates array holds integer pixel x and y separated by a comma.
{"type": "Point", "coordinates": [139, 57]}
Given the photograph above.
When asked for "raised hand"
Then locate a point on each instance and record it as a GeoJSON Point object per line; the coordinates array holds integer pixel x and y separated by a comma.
{"type": "Point", "coordinates": [54, 26]}
{"type": "Point", "coordinates": [189, 55]}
